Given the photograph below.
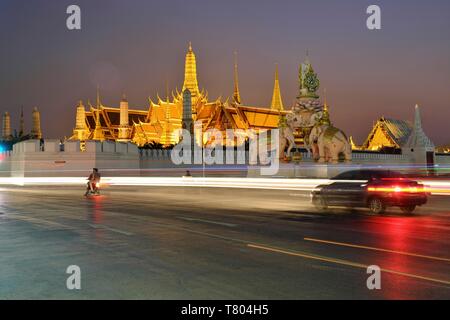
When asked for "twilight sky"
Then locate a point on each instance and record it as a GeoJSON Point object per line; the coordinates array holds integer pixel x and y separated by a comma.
{"type": "Point", "coordinates": [135, 46]}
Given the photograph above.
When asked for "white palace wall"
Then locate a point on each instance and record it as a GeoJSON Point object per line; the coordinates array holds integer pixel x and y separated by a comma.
{"type": "Point", "coordinates": [28, 158]}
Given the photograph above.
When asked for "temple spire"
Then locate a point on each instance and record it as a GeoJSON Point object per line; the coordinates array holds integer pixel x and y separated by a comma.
{"type": "Point", "coordinates": [190, 74]}
{"type": "Point", "coordinates": [98, 97]}
{"type": "Point", "coordinates": [417, 118]}
{"type": "Point", "coordinates": [277, 102]}
{"type": "Point", "coordinates": [418, 138]}
{"type": "Point", "coordinates": [98, 131]}
{"type": "Point", "coordinates": [22, 124]}
{"type": "Point", "coordinates": [236, 93]}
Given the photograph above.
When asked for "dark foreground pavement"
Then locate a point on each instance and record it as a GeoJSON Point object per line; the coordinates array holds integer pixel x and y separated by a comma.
{"type": "Point", "coordinates": [197, 243]}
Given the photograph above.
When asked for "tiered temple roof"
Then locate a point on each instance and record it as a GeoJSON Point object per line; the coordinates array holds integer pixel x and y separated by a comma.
{"type": "Point", "coordinates": [398, 134]}
{"type": "Point", "coordinates": [389, 133]}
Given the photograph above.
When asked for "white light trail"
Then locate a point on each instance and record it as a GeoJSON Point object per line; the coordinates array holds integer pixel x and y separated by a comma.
{"type": "Point", "coordinates": [441, 187]}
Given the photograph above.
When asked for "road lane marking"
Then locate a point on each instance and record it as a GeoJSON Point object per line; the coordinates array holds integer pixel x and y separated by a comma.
{"type": "Point", "coordinates": [231, 225]}
{"type": "Point", "coordinates": [38, 221]}
{"type": "Point", "coordinates": [346, 263]}
{"type": "Point", "coordinates": [101, 226]}
{"type": "Point", "coordinates": [377, 249]}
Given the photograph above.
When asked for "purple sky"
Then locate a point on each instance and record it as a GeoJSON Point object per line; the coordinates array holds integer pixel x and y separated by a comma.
{"type": "Point", "coordinates": [136, 46]}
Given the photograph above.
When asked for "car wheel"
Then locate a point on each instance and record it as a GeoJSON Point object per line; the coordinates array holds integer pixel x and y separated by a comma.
{"type": "Point", "coordinates": [408, 209]}
{"type": "Point", "coordinates": [320, 204]}
{"type": "Point", "coordinates": [376, 206]}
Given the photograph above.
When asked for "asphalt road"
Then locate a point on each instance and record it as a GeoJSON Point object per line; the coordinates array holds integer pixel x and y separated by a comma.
{"type": "Point", "coordinates": [215, 243]}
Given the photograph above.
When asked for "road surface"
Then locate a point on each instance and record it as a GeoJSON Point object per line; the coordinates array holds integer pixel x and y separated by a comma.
{"type": "Point", "coordinates": [215, 243]}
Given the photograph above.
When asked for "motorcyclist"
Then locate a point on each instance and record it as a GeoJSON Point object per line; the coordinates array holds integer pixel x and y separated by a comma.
{"type": "Point", "coordinates": [93, 181]}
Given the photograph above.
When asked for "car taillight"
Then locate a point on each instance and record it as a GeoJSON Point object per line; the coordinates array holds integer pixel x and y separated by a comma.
{"type": "Point", "coordinates": [397, 189]}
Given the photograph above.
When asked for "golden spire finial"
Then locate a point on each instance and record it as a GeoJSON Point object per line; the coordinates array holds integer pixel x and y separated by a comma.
{"type": "Point", "coordinates": [236, 93]}
{"type": "Point", "coordinates": [276, 72]}
{"type": "Point", "coordinates": [190, 46]}
{"type": "Point", "coordinates": [98, 97]}
{"type": "Point", "coordinates": [277, 102]}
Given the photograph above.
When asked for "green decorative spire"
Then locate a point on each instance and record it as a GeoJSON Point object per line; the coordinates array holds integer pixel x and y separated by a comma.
{"type": "Point", "coordinates": [308, 80]}
{"type": "Point", "coordinates": [311, 81]}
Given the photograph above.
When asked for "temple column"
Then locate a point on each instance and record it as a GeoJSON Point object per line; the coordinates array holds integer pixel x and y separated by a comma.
{"type": "Point", "coordinates": [6, 128]}
{"type": "Point", "coordinates": [81, 131]}
{"type": "Point", "coordinates": [36, 131]}
{"type": "Point", "coordinates": [124, 129]}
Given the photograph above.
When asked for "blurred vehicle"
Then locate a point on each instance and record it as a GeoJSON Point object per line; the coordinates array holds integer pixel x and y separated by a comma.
{"type": "Point", "coordinates": [373, 189]}
{"type": "Point", "coordinates": [93, 185]}
{"type": "Point", "coordinates": [93, 189]}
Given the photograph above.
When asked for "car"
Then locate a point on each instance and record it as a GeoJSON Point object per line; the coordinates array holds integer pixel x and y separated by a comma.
{"type": "Point", "coordinates": [373, 189]}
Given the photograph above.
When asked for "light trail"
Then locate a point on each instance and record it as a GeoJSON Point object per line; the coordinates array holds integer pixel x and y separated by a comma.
{"type": "Point", "coordinates": [441, 187]}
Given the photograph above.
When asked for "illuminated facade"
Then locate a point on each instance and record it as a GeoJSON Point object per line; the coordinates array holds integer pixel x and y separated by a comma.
{"type": "Point", "coordinates": [388, 134]}
{"type": "Point", "coordinates": [160, 122]}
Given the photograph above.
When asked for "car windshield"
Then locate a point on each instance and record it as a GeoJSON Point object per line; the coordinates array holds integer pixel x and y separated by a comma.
{"type": "Point", "coordinates": [368, 175]}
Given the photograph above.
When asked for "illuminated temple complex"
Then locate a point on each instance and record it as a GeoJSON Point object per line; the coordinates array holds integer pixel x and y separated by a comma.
{"type": "Point", "coordinates": [159, 123]}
